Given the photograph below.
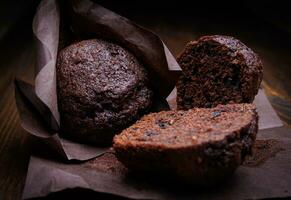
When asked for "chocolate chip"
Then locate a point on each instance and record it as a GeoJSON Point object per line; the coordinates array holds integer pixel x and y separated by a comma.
{"type": "Point", "coordinates": [150, 133]}
{"type": "Point", "coordinates": [216, 114]}
{"type": "Point", "coordinates": [162, 124]}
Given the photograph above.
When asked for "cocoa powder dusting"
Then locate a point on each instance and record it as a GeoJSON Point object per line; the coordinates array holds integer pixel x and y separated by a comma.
{"type": "Point", "coordinates": [262, 151]}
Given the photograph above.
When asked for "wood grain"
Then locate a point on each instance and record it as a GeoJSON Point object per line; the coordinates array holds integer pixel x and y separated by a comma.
{"type": "Point", "coordinates": [16, 59]}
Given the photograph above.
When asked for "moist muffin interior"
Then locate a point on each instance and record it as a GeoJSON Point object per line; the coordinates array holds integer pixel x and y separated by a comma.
{"type": "Point", "coordinates": [217, 70]}
{"type": "Point", "coordinates": [174, 129]}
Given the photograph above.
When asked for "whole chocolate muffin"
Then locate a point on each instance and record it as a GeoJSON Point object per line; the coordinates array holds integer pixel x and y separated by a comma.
{"type": "Point", "coordinates": [217, 70]}
{"type": "Point", "coordinates": [102, 88]}
{"type": "Point", "coordinates": [201, 145]}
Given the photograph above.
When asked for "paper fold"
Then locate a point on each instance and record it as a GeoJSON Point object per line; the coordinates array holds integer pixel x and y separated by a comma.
{"type": "Point", "coordinates": [86, 20]}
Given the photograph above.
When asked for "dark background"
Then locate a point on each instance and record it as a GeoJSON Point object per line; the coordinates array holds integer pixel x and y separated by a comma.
{"type": "Point", "coordinates": [265, 26]}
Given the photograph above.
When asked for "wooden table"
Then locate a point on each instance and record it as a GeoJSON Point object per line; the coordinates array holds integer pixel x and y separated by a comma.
{"type": "Point", "coordinates": [271, 40]}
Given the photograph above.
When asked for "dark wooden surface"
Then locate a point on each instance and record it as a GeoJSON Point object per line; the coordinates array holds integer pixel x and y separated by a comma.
{"type": "Point", "coordinates": [16, 58]}
{"type": "Point", "coordinates": [271, 38]}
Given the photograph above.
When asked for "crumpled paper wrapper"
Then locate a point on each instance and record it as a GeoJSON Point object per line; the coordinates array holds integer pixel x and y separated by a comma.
{"type": "Point", "coordinates": [105, 175]}
{"type": "Point", "coordinates": [38, 104]}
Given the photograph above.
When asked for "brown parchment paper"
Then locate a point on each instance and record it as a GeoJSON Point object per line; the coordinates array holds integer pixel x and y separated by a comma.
{"type": "Point", "coordinates": [38, 104]}
{"type": "Point", "coordinates": [271, 179]}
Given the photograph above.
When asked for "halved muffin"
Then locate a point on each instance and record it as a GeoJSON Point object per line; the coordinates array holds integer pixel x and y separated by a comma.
{"type": "Point", "coordinates": [201, 145]}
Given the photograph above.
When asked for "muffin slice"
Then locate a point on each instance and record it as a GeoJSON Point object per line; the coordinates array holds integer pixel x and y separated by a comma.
{"type": "Point", "coordinates": [217, 70]}
{"type": "Point", "coordinates": [202, 145]}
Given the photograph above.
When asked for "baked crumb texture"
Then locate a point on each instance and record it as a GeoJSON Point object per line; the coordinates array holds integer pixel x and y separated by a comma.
{"type": "Point", "coordinates": [201, 145]}
{"type": "Point", "coordinates": [217, 70]}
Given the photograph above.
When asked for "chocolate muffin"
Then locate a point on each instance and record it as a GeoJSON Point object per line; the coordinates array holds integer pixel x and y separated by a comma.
{"type": "Point", "coordinates": [201, 145]}
{"type": "Point", "coordinates": [217, 70]}
{"type": "Point", "coordinates": [102, 88]}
